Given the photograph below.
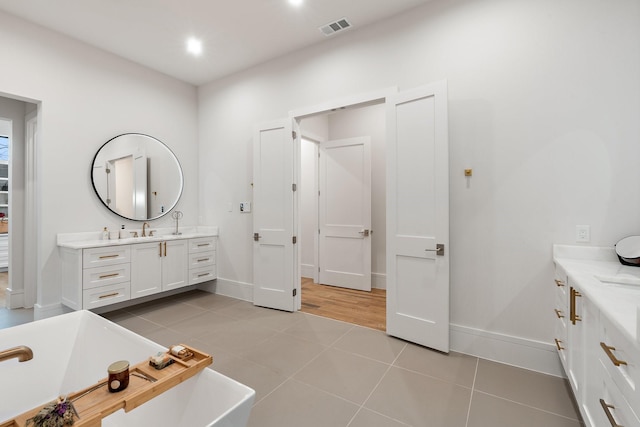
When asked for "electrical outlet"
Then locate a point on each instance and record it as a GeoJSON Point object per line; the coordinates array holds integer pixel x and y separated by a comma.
{"type": "Point", "coordinates": [583, 234]}
{"type": "Point", "coordinates": [245, 207]}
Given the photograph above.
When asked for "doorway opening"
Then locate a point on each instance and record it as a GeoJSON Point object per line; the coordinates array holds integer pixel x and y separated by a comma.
{"type": "Point", "coordinates": [335, 263]}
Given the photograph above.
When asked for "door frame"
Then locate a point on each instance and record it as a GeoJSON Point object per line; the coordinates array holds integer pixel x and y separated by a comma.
{"type": "Point", "coordinates": [358, 100]}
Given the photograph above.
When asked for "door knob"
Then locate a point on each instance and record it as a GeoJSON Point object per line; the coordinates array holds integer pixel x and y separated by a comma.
{"type": "Point", "coordinates": [256, 236]}
{"type": "Point", "coordinates": [365, 233]}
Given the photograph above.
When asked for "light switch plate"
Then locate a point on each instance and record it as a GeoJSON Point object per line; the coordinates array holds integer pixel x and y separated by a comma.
{"type": "Point", "coordinates": [245, 207]}
{"type": "Point", "coordinates": [583, 234]}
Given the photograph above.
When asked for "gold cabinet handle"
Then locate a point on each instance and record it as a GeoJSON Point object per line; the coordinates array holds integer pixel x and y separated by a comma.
{"type": "Point", "coordinates": [115, 294]}
{"type": "Point", "coordinates": [203, 274]}
{"type": "Point", "coordinates": [165, 248]}
{"type": "Point", "coordinates": [203, 244]}
{"type": "Point", "coordinates": [559, 313]}
{"type": "Point", "coordinates": [160, 245]}
{"type": "Point", "coordinates": [573, 316]}
{"type": "Point", "coordinates": [106, 276]}
{"type": "Point", "coordinates": [560, 348]}
{"type": "Point", "coordinates": [559, 283]}
{"type": "Point", "coordinates": [607, 410]}
{"type": "Point", "coordinates": [202, 260]}
{"type": "Point", "coordinates": [108, 256]}
{"type": "Point", "coordinates": [609, 350]}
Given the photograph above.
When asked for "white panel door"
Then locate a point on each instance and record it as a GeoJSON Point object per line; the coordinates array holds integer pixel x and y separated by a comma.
{"type": "Point", "coordinates": [345, 213]}
{"type": "Point", "coordinates": [273, 227]}
{"type": "Point", "coordinates": [418, 216]}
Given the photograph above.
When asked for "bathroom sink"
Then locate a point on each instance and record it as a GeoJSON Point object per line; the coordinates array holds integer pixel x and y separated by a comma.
{"type": "Point", "coordinates": [620, 279]}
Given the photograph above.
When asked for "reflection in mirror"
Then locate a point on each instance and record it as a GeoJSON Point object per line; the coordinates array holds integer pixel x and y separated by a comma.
{"type": "Point", "coordinates": [137, 177]}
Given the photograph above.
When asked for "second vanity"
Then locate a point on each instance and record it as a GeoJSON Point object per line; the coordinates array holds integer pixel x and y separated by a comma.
{"type": "Point", "coordinates": [97, 273]}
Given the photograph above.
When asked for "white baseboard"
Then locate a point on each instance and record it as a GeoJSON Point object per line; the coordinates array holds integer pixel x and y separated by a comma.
{"type": "Point", "coordinates": [379, 280]}
{"type": "Point", "coordinates": [229, 288]}
{"type": "Point", "coordinates": [307, 270]}
{"type": "Point", "coordinates": [14, 299]}
{"type": "Point", "coordinates": [528, 354]}
{"type": "Point", "coordinates": [45, 311]}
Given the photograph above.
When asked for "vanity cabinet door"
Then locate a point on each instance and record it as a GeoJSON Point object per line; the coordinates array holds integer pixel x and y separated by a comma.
{"type": "Point", "coordinates": [146, 269]}
{"type": "Point", "coordinates": [175, 264]}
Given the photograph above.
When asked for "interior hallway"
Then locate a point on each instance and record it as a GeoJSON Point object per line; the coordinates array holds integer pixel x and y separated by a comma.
{"type": "Point", "coordinates": [348, 305]}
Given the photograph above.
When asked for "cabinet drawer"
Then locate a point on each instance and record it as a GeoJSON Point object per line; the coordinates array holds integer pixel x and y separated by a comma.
{"type": "Point", "coordinates": [611, 408]}
{"type": "Point", "coordinates": [614, 348]}
{"type": "Point", "coordinates": [203, 259]}
{"type": "Point", "coordinates": [202, 244]}
{"type": "Point", "coordinates": [97, 257]}
{"type": "Point", "coordinates": [106, 295]}
{"type": "Point", "coordinates": [107, 275]}
{"type": "Point", "coordinates": [200, 275]}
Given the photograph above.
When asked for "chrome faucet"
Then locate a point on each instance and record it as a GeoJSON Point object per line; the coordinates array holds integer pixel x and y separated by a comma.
{"type": "Point", "coordinates": [146, 224]}
{"type": "Point", "coordinates": [23, 353]}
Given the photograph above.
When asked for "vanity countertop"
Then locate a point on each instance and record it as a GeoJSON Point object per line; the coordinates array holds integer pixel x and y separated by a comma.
{"type": "Point", "coordinates": [94, 240]}
{"type": "Point", "coordinates": [595, 271]}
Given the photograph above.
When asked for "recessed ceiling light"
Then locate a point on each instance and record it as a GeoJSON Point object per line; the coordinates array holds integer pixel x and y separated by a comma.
{"type": "Point", "coordinates": [194, 46]}
{"type": "Point", "coordinates": [295, 2]}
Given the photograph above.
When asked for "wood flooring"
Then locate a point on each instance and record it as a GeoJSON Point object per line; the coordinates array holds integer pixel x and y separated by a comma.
{"type": "Point", "coordinates": [358, 307]}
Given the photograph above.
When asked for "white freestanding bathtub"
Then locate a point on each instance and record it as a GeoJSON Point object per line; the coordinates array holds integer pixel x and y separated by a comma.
{"type": "Point", "coordinates": [73, 351]}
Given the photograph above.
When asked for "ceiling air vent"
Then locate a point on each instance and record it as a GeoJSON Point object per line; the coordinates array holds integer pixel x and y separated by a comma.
{"type": "Point", "coordinates": [334, 27]}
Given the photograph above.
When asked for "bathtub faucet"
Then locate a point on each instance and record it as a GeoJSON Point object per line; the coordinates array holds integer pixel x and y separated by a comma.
{"type": "Point", "coordinates": [23, 353]}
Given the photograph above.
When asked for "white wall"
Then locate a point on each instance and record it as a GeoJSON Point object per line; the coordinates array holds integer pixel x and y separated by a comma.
{"type": "Point", "coordinates": [543, 104]}
{"type": "Point", "coordinates": [87, 97]}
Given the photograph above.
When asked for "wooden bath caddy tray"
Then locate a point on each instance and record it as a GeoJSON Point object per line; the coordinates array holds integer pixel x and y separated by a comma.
{"type": "Point", "coordinates": [96, 402]}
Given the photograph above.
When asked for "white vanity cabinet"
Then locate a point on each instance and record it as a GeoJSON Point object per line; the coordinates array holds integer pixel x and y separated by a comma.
{"type": "Point", "coordinates": [97, 276]}
{"type": "Point", "coordinates": [158, 266]}
{"type": "Point", "coordinates": [601, 362]}
{"type": "Point", "coordinates": [202, 260]}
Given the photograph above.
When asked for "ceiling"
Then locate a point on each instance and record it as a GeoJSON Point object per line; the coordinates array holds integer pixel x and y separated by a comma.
{"type": "Point", "coordinates": [235, 34]}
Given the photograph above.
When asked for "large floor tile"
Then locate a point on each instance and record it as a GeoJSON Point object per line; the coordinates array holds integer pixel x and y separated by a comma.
{"type": "Point", "coordinates": [202, 323]}
{"type": "Point", "coordinates": [453, 367]}
{"type": "Point", "coordinates": [546, 392]}
{"type": "Point", "coordinates": [240, 335]}
{"type": "Point", "coordinates": [15, 317]}
{"type": "Point", "coordinates": [419, 400]}
{"type": "Point", "coordinates": [371, 343]}
{"type": "Point", "coordinates": [260, 378]}
{"type": "Point", "coordinates": [296, 405]}
{"type": "Point", "coordinates": [489, 411]}
{"type": "Point", "coordinates": [168, 314]}
{"type": "Point", "coordinates": [209, 301]}
{"type": "Point", "coordinates": [347, 375]}
{"type": "Point", "coordinates": [367, 418]}
{"type": "Point", "coordinates": [318, 329]}
{"type": "Point", "coordinates": [138, 324]}
{"type": "Point", "coordinates": [167, 337]}
{"type": "Point", "coordinates": [275, 319]}
{"type": "Point", "coordinates": [284, 354]}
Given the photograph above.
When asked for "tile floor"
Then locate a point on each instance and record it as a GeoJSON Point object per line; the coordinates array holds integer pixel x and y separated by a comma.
{"type": "Point", "coordinates": [311, 371]}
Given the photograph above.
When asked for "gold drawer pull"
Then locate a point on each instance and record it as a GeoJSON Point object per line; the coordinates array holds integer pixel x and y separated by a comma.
{"type": "Point", "coordinates": [109, 275]}
{"type": "Point", "coordinates": [608, 349]}
{"type": "Point", "coordinates": [203, 274]}
{"type": "Point", "coordinates": [559, 283]}
{"type": "Point", "coordinates": [607, 410]}
{"type": "Point", "coordinates": [558, 344]}
{"type": "Point", "coordinates": [559, 313]}
{"type": "Point", "coordinates": [203, 260]}
{"type": "Point", "coordinates": [573, 316]}
{"type": "Point", "coordinates": [115, 294]}
{"type": "Point", "coordinates": [203, 244]}
{"type": "Point", "coordinates": [108, 256]}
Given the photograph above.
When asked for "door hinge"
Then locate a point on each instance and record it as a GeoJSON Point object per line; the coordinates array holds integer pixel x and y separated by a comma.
{"type": "Point", "coordinates": [294, 187]}
{"type": "Point", "coordinates": [294, 135]}
{"type": "Point", "coordinates": [295, 240]}
{"type": "Point", "coordinates": [295, 292]}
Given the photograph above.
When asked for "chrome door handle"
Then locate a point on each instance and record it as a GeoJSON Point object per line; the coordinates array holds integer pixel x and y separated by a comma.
{"type": "Point", "coordinates": [439, 250]}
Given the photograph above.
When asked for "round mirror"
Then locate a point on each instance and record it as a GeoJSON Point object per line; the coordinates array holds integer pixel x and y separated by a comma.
{"type": "Point", "coordinates": [137, 177]}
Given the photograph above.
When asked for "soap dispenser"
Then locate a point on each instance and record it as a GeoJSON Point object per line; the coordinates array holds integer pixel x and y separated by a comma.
{"type": "Point", "coordinates": [105, 234]}
{"type": "Point", "coordinates": [122, 232]}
